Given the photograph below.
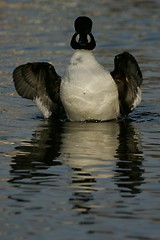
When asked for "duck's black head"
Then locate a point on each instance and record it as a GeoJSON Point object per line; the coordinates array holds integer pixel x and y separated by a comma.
{"type": "Point", "coordinates": [83, 38]}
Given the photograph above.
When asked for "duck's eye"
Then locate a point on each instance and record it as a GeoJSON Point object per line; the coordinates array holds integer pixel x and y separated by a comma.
{"type": "Point", "coordinates": [77, 38]}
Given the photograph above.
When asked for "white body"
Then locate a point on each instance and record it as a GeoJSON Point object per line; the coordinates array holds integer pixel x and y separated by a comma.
{"type": "Point", "coordinates": [88, 92]}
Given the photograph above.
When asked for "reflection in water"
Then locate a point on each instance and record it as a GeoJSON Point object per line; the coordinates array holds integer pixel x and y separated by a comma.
{"type": "Point", "coordinates": [39, 153]}
{"type": "Point", "coordinates": [130, 157]}
{"type": "Point", "coordinates": [91, 151]}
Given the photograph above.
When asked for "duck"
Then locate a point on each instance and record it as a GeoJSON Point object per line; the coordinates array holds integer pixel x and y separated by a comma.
{"type": "Point", "coordinates": [86, 91]}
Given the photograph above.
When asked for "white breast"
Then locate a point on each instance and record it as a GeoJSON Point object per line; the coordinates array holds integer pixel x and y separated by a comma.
{"type": "Point", "coordinates": [88, 92]}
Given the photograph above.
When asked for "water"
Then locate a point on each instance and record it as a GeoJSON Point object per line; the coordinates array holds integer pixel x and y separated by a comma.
{"type": "Point", "coordinates": [79, 180]}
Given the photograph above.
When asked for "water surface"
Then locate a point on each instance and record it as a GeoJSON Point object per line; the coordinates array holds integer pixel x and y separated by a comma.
{"type": "Point", "coordinates": [64, 180]}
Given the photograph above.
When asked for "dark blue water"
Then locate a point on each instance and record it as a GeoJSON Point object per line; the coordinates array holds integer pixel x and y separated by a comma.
{"type": "Point", "coordinates": [69, 180]}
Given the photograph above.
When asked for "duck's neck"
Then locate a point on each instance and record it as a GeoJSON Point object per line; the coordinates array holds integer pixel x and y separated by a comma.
{"type": "Point", "coordinates": [82, 56]}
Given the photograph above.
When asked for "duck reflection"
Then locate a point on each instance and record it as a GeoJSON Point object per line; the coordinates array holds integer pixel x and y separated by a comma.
{"type": "Point", "coordinates": [130, 157]}
{"type": "Point", "coordinates": [91, 151]}
{"type": "Point", "coordinates": [39, 153]}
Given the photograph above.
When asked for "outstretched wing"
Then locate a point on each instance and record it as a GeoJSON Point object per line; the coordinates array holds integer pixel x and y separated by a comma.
{"type": "Point", "coordinates": [39, 82]}
{"type": "Point", "coordinates": [128, 78]}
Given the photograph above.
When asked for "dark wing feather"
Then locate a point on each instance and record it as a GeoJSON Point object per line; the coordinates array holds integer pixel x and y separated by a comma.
{"type": "Point", "coordinates": [25, 81]}
{"type": "Point", "coordinates": [128, 78]}
{"type": "Point", "coordinates": [40, 81]}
